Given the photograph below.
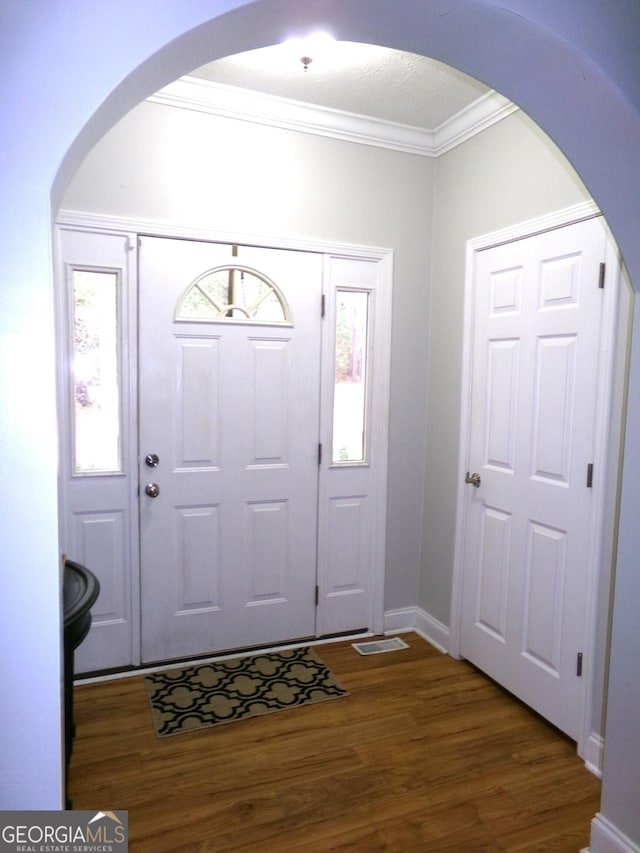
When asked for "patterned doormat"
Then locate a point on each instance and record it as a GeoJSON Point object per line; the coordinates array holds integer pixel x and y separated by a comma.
{"type": "Point", "coordinates": [212, 693]}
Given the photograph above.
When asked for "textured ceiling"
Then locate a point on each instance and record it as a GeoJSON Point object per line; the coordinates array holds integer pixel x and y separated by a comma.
{"type": "Point", "coordinates": [355, 78]}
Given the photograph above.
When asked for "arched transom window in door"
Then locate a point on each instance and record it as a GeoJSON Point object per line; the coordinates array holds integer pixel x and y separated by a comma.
{"type": "Point", "coordinates": [234, 293]}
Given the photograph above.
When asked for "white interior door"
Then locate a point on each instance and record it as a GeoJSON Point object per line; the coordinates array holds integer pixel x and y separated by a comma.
{"type": "Point", "coordinates": [229, 405]}
{"type": "Point", "coordinates": [536, 345]}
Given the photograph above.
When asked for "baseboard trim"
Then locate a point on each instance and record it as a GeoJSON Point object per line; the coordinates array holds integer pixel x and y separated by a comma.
{"type": "Point", "coordinates": [594, 754]}
{"type": "Point", "coordinates": [399, 621]}
{"type": "Point", "coordinates": [418, 620]}
{"type": "Point", "coordinates": [607, 838]}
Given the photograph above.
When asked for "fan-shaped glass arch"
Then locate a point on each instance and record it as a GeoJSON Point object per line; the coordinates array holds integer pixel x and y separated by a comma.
{"type": "Point", "coordinates": [233, 293]}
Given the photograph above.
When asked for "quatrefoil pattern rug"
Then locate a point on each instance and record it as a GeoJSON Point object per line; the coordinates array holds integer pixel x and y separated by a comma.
{"type": "Point", "coordinates": [212, 693]}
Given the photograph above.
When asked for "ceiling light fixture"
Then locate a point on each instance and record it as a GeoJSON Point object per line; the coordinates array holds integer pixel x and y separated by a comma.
{"type": "Point", "coordinates": [308, 48]}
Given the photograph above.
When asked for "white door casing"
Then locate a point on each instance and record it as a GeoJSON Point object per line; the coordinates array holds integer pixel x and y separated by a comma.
{"type": "Point", "coordinates": [361, 488]}
{"type": "Point", "coordinates": [540, 347]}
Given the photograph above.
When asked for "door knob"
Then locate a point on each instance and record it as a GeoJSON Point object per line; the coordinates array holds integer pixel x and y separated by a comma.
{"type": "Point", "coordinates": [152, 489]}
{"type": "Point", "coordinates": [151, 459]}
{"type": "Point", "coordinates": [473, 480]}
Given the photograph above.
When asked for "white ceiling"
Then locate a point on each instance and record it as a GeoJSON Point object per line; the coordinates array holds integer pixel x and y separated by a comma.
{"type": "Point", "coordinates": [355, 78]}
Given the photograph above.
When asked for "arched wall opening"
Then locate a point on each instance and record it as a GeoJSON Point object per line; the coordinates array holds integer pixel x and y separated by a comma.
{"type": "Point", "coordinates": [161, 164]}
{"type": "Point", "coordinates": [538, 72]}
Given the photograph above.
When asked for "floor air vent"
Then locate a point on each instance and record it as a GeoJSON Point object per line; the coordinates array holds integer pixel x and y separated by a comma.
{"type": "Point", "coordinates": [376, 647]}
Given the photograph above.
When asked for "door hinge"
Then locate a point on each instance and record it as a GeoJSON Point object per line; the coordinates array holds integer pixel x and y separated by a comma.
{"type": "Point", "coordinates": [590, 475]}
{"type": "Point", "coordinates": [579, 665]}
{"type": "Point", "coordinates": [317, 595]}
{"type": "Point", "coordinates": [319, 454]}
{"type": "Point", "coordinates": [323, 303]}
{"type": "Point", "coordinates": [603, 268]}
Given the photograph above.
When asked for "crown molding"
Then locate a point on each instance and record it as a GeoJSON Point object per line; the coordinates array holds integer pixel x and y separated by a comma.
{"type": "Point", "coordinates": [489, 109]}
{"type": "Point", "coordinates": [192, 93]}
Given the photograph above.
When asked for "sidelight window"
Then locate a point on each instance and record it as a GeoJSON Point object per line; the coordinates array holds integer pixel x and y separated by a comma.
{"type": "Point", "coordinates": [350, 384]}
{"type": "Point", "coordinates": [96, 372]}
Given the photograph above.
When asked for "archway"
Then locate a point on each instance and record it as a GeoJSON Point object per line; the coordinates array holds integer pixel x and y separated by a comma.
{"type": "Point", "coordinates": [165, 165]}
{"type": "Point", "coordinates": [445, 44]}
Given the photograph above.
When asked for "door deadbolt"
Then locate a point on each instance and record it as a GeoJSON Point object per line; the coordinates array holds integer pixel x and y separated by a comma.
{"type": "Point", "coordinates": [151, 459]}
{"type": "Point", "coordinates": [152, 490]}
{"type": "Point", "coordinates": [473, 480]}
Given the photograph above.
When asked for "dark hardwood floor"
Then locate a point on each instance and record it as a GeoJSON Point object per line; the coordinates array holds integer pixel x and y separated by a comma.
{"type": "Point", "coordinates": [425, 754]}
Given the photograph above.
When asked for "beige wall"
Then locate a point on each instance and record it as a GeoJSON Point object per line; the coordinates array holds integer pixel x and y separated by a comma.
{"type": "Point", "coordinates": [508, 174]}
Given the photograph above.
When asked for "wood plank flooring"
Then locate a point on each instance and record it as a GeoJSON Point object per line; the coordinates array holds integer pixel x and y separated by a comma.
{"type": "Point", "coordinates": [425, 754]}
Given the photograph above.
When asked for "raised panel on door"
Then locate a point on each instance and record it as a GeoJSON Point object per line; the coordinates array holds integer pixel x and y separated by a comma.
{"type": "Point", "coordinates": [494, 552]}
{"type": "Point", "coordinates": [197, 402]}
{"type": "Point", "coordinates": [553, 408]}
{"type": "Point", "coordinates": [99, 541]}
{"type": "Point", "coordinates": [347, 576]}
{"type": "Point", "coordinates": [267, 551]}
{"type": "Point", "coordinates": [270, 401]}
{"type": "Point", "coordinates": [559, 280]}
{"type": "Point", "coordinates": [197, 537]}
{"type": "Point", "coordinates": [501, 403]}
{"type": "Point", "coordinates": [545, 571]}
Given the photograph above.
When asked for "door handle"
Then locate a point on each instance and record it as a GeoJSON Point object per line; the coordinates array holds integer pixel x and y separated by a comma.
{"type": "Point", "coordinates": [152, 490]}
{"type": "Point", "coordinates": [473, 480]}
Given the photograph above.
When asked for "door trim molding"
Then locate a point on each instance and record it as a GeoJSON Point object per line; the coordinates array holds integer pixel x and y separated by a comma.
{"type": "Point", "coordinates": [105, 224]}
{"type": "Point", "coordinates": [82, 221]}
{"type": "Point", "coordinates": [611, 367]}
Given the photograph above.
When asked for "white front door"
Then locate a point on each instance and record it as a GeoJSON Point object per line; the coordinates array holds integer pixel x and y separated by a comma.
{"type": "Point", "coordinates": [536, 345]}
{"type": "Point", "coordinates": [235, 409]}
{"type": "Point", "coordinates": [229, 431]}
